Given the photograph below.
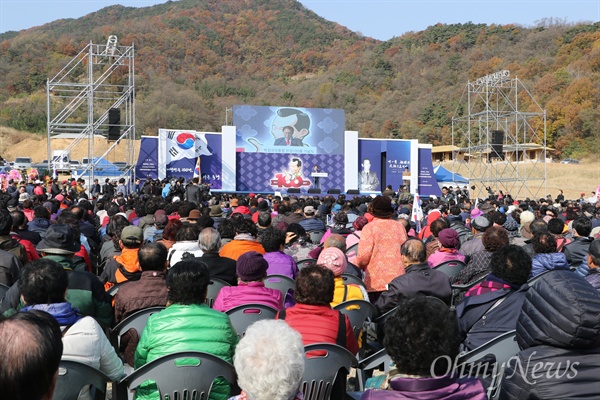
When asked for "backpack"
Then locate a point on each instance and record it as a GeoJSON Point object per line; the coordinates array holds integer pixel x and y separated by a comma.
{"type": "Point", "coordinates": [13, 246]}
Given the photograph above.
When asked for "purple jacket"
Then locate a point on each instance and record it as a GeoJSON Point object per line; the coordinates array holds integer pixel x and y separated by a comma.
{"type": "Point", "coordinates": [246, 293]}
{"type": "Point", "coordinates": [443, 388]}
{"type": "Point", "coordinates": [281, 264]}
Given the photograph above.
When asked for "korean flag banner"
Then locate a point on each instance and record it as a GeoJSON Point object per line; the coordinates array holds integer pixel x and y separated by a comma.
{"type": "Point", "coordinates": [175, 145]}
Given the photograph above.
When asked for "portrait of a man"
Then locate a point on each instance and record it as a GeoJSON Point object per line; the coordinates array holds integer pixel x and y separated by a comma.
{"type": "Point", "coordinates": [367, 179]}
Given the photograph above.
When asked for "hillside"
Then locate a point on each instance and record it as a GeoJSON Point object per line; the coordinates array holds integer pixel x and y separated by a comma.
{"type": "Point", "coordinates": [195, 59]}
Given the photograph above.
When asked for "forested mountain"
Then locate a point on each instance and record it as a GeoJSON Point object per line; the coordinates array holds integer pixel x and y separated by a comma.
{"type": "Point", "coordinates": [196, 58]}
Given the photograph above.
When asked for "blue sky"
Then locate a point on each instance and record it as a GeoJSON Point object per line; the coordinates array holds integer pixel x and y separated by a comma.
{"type": "Point", "coordinates": [381, 19]}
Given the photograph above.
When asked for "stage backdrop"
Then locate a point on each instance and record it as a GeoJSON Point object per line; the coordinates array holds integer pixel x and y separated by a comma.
{"type": "Point", "coordinates": [267, 160]}
{"type": "Point", "coordinates": [398, 157]}
{"type": "Point", "coordinates": [316, 130]}
{"type": "Point", "coordinates": [427, 183]}
{"type": "Point", "coordinates": [147, 163]}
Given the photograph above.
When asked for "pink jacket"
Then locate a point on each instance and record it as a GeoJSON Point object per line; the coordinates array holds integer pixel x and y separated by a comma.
{"type": "Point", "coordinates": [379, 252]}
{"type": "Point", "coordinates": [246, 293]}
{"type": "Point", "coordinates": [439, 257]}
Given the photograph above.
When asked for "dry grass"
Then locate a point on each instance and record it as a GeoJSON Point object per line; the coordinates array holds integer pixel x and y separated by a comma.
{"type": "Point", "coordinates": [573, 179]}
{"type": "Point", "coordinates": [14, 143]}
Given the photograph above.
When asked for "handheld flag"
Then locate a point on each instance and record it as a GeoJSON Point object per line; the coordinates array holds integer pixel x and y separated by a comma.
{"type": "Point", "coordinates": [197, 171]}
{"type": "Point", "coordinates": [417, 212]}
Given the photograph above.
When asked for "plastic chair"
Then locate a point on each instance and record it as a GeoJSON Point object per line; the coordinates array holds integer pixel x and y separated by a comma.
{"type": "Point", "coordinates": [321, 371]}
{"type": "Point", "coordinates": [3, 290]}
{"type": "Point", "coordinates": [214, 287]}
{"type": "Point", "coordinates": [137, 321]}
{"type": "Point", "coordinates": [458, 291]}
{"type": "Point", "coordinates": [352, 251]}
{"type": "Point", "coordinates": [280, 282]}
{"type": "Point", "coordinates": [245, 315]}
{"type": "Point", "coordinates": [306, 262]}
{"type": "Point", "coordinates": [451, 268]}
{"type": "Point", "coordinates": [352, 279]}
{"type": "Point", "coordinates": [373, 361]}
{"type": "Point", "coordinates": [502, 347]}
{"type": "Point", "coordinates": [358, 312]}
{"type": "Point", "coordinates": [73, 376]}
{"type": "Point", "coordinates": [178, 380]}
{"type": "Point", "coordinates": [112, 291]}
{"type": "Point", "coordinates": [316, 235]}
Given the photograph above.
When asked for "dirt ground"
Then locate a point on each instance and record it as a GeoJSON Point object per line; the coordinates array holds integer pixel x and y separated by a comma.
{"type": "Point", "coordinates": [571, 178]}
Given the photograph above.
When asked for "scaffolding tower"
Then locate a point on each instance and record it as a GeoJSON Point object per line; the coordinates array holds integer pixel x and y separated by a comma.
{"type": "Point", "coordinates": [496, 124]}
{"type": "Point", "coordinates": [80, 97]}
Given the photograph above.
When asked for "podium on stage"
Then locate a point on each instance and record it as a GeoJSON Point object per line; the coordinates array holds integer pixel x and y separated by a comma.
{"type": "Point", "coordinates": [317, 178]}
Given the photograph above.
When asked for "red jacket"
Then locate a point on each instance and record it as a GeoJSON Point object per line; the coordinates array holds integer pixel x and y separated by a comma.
{"type": "Point", "coordinates": [319, 324]}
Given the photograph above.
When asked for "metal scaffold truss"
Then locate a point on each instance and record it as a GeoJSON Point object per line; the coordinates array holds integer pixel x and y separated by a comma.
{"type": "Point", "coordinates": [97, 82]}
{"type": "Point", "coordinates": [499, 137]}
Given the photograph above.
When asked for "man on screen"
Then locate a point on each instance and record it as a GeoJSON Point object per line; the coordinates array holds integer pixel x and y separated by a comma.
{"type": "Point", "coordinates": [293, 118]}
{"type": "Point", "coordinates": [367, 180]}
{"type": "Point", "coordinates": [288, 139]}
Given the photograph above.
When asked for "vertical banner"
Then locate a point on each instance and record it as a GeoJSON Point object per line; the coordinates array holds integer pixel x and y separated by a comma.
{"type": "Point", "coordinates": [369, 173]}
{"type": "Point", "coordinates": [147, 163]}
{"type": "Point", "coordinates": [427, 183]}
{"type": "Point", "coordinates": [397, 162]}
{"type": "Point", "coordinates": [178, 152]}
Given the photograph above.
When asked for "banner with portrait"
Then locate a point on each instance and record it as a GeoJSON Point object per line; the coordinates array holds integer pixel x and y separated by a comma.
{"type": "Point", "coordinates": [369, 174]}
{"type": "Point", "coordinates": [289, 130]}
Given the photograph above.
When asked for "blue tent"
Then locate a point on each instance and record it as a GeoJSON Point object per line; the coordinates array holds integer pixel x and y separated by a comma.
{"type": "Point", "coordinates": [103, 168]}
{"type": "Point", "coordinates": [442, 175]}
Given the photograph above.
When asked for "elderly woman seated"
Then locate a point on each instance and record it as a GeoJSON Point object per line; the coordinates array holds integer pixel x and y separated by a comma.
{"type": "Point", "coordinates": [251, 269]}
{"type": "Point", "coordinates": [187, 324]}
{"type": "Point", "coordinates": [269, 361]}
{"type": "Point", "coordinates": [422, 339]}
{"type": "Point", "coordinates": [334, 259]}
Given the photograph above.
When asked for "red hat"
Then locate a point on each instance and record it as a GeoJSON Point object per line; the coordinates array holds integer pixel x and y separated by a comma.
{"type": "Point", "coordinates": [583, 194]}
{"type": "Point", "coordinates": [73, 183]}
{"type": "Point", "coordinates": [252, 195]}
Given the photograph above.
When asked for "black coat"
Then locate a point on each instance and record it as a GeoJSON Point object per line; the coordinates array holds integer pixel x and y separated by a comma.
{"type": "Point", "coordinates": [477, 327]}
{"type": "Point", "coordinates": [418, 279]}
{"type": "Point", "coordinates": [577, 250]}
{"type": "Point", "coordinates": [220, 267]}
{"type": "Point", "coordinates": [559, 325]}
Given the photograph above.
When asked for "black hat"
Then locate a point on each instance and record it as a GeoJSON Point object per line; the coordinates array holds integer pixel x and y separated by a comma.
{"type": "Point", "coordinates": [59, 239]}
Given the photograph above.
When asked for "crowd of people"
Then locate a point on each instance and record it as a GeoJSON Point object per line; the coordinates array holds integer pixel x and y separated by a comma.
{"type": "Point", "coordinates": [63, 247]}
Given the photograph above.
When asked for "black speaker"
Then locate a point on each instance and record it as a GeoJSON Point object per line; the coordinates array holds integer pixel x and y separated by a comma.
{"type": "Point", "coordinates": [314, 191]}
{"type": "Point", "coordinates": [334, 191]}
{"type": "Point", "coordinates": [293, 190]}
{"type": "Point", "coordinates": [353, 191]}
{"type": "Point", "coordinates": [114, 122]}
{"type": "Point", "coordinates": [497, 144]}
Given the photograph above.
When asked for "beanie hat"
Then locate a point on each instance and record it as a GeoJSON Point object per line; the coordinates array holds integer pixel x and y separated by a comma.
{"type": "Point", "coordinates": [526, 216]}
{"type": "Point", "coordinates": [251, 266]}
{"type": "Point", "coordinates": [448, 237]}
{"type": "Point", "coordinates": [480, 223]}
{"type": "Point", "coordinates": [334, 259]}
{"type": "Point", "coordinates": [381, 207]}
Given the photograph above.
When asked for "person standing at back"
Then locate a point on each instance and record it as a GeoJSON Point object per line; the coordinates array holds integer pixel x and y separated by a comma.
{"type": "Point", "coordinates": [379, 247]}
